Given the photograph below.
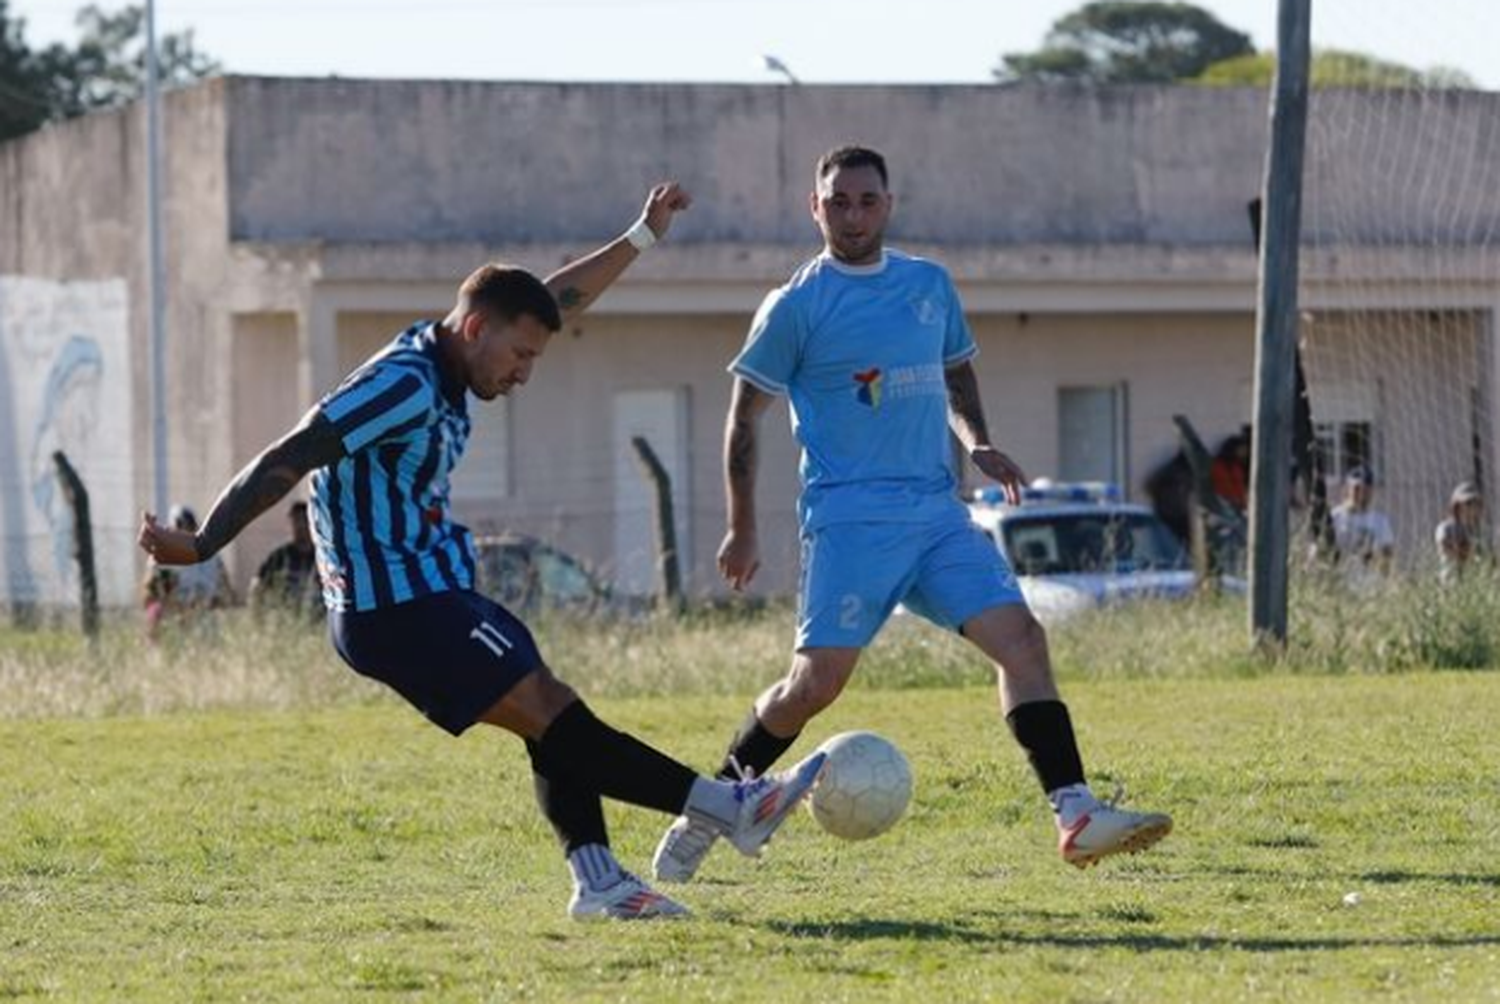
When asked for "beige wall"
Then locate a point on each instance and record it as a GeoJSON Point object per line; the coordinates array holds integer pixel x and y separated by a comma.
{"type": "Point", "coordinates": [266, 404]}
{"type": "Point", "coordinates": [334, 212]}
{"type": "Point", "coordinates": [1190, 364]}
{"type": "Point", "coordinates": [561, 473]}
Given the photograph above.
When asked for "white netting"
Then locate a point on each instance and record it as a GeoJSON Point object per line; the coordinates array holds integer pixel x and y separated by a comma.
{"type": "Point", "coordinates": [1401, 269]}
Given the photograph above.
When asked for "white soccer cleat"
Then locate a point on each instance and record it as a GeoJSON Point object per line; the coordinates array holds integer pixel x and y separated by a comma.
{"type": "Point", "coordinates": [682, 849]}
{"type": "Point", "coordinates": [627, 899]}
{"type": "Point", "coordinates": [765, 802]}
{"type": "Point", "coordinates": [1105, 829]}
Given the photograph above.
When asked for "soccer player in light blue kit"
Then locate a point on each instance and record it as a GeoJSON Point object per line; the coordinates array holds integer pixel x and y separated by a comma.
{"type": "Point", "coordinates": [871, 348]}
{"type": "Point", "coordinates": [398, 571]}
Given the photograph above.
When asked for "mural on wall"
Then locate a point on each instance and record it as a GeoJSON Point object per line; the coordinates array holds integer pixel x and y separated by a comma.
{"type": "Point", "coordinates": [64, 385]}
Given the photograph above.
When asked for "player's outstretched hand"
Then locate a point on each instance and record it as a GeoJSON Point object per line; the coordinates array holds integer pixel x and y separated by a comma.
{"type": "Point", "coordinates": [664, 202]}
{"type": "Point", "coordinates": [739, 559]}
{"type": "Point", "coordinates": [167, 545]}
{"type": "Point", "coordinates": [999, 468]}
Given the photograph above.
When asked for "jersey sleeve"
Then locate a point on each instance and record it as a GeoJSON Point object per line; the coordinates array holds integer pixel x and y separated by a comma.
{"type": "Point", "coordinates": [384, 404]}
{"type": "Point", "coordinates": [958, 340]}
{"type": "Point", "coordinates": [769, 358]}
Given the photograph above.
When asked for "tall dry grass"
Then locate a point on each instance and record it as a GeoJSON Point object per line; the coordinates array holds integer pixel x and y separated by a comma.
{"type": "Point", "coordinates": [235, 661]}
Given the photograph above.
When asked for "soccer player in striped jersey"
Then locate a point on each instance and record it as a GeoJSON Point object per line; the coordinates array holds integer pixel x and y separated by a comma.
{"type": "Point", "coordinates": [398, 573]}
{"type": "Point", "coordinates": [871, 348]}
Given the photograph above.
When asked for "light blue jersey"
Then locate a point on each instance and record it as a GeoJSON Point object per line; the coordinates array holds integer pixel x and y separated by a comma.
{"type": "Point", "coordinates": [860, 352]}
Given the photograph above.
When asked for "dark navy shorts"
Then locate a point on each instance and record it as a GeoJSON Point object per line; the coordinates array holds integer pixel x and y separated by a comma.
{"type": "Point", "coordinates": [452, 655]}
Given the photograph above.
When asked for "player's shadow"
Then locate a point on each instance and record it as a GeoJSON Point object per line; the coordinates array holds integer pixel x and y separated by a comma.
{"type": "Point", "coordinates": [873, 929]}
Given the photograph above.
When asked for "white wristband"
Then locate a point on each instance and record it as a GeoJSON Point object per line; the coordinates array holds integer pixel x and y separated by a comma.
{"type": "Point", "coordinates": [641, 236]}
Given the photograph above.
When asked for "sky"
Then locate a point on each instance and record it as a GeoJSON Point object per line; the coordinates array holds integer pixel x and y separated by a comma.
{"type": "Point", "coordinates": [820, 41]}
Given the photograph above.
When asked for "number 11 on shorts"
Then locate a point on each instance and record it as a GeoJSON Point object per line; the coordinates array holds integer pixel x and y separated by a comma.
{"type": "Point", "coordinates": [490, 637]}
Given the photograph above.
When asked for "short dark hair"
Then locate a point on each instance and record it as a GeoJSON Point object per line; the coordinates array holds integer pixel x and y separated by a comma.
{"type": "Point", "coordinates": [852, 156]}
{"type": "Point", "coordinates": [297, 508]}
{"type": "Point", "coordinates": [507, 292]}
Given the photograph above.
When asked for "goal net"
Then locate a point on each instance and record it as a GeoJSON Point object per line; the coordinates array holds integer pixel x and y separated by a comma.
{"type": "Point", "coordinates": [1400, 281]}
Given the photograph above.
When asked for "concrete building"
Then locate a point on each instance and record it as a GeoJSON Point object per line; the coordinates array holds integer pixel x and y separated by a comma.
{"type": "Point", "coordinates": [1100, 239]}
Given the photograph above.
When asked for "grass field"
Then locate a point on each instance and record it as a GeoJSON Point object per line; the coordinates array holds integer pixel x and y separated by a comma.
{"type": "Point", "coordinates": [300, 837]}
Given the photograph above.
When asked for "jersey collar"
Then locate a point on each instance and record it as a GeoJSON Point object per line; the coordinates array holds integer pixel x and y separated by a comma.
{"type": "Point", "coordinates": [847, 269]}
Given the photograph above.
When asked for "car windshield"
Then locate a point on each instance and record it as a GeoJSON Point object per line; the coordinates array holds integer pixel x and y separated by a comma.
{"type": "Point", "coordinates": [1091, 543]}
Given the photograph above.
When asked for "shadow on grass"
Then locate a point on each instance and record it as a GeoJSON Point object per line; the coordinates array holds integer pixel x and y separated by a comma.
{"type": "Point", "coordinates": [1448, 878]}
{"type": "Point", "coordinates": [1378, 877]}
{"type": "Point", "coordinates": [872, 929]}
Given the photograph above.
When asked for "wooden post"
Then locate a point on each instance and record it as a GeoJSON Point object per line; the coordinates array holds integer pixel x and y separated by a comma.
{"type": "Point", "coordinates": [666, 524]}
{"type": "Point", "coordinates": [1276, 329]}
{"type": "Point", "coordinates": [77, 497]}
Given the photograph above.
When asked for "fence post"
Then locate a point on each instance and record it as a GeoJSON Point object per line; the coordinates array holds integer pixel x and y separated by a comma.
{"type": "Point", "coordinates": [666, 523]}
{"type": "Point", "coordinates": [77, 497]}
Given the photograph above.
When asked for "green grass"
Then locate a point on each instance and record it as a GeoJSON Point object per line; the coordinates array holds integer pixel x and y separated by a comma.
{"type": "Point", "coordinates": [339, 849]}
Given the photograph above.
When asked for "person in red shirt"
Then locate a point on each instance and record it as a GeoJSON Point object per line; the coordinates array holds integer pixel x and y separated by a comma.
{"type": "Point", "coordinates": [1230, 471]}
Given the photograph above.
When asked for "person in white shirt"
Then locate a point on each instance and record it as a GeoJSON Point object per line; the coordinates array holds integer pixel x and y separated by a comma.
{"type": "Point", "coordinates": [1363, 535]}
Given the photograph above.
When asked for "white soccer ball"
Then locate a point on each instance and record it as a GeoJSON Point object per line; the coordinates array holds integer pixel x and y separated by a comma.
{"type": "Point", "coordinates": [864, 788]}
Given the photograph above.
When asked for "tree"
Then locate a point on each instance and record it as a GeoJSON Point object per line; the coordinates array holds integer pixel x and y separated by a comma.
{"type": "Point", "coordinates": [105, 70]}
{"type": "Point", "coordinates": [1333, 68]}
{"type": "Point", "coordinates": [1127, 43]}
{"type": "Point", "coordinates": [24, 100]}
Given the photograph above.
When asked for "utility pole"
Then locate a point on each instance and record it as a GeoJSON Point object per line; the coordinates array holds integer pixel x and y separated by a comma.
{"type": "Point", "coordinates": [155, 278]}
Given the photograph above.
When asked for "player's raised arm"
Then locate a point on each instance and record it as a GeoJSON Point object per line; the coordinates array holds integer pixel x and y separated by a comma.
{"type": "Point", "coordinates": [966, 418]}
{"type": "Point", "coordinates": [314, 443]}
{"type": "Point", "coordinates": [739, 554]}
{"type": "Point", "coordinates": [578, 284]}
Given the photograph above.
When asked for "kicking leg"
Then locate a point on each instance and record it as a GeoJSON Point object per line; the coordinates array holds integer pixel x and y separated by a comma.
{"type": "Point", "coordinates": [817, 677]}
{"type": "Point", "coordinates": [574, 745]}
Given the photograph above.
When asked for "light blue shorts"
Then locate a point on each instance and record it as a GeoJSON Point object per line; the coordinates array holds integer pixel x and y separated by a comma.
{"type": "Point", "coordinates": [854, 574]}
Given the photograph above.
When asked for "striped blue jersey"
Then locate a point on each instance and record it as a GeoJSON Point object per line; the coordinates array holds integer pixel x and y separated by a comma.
{"type": "Point", "coordinates": [380, 515]}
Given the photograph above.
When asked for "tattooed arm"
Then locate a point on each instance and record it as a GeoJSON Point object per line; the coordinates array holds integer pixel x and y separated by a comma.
{"type": "Point", "coordinates": [578, 284]}
{"type": "Point", "coordinates": [966, 419]}
{"type": "Point", "coordinates": [739, 554]}
{"type": "Point", "coordinates": [265, 481]}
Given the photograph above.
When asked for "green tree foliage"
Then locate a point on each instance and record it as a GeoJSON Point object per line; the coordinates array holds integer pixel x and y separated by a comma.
{"type": "Point", "coordinates": [105, 69]}
{"type": "Point", "coordinates": [1127, 43]}
{"type": "Point", "coordinates": [24, 99]}
{"type": "Point", "coordinates": [1333, 68]}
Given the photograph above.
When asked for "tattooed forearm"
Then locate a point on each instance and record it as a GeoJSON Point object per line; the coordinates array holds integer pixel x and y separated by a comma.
{"type": "Point", "coordinates": [741, 452]}
{"type": "Point", "coordinates": [267, 479]}
{"type": "Point", "coordinates": [965, 411]}
{"type": "Point", "coordinates": [571, 298]}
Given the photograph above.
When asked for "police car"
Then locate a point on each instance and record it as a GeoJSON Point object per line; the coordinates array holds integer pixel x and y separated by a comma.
{"type": "Point", "coordinates": [1079, 546]}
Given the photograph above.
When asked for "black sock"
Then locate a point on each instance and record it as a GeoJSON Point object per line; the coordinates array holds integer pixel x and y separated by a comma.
{"type": "Point", "coordinates": [575, 812]}
{"type": "Point", "coordinates": [1045, 732]}
{"type": "Point", "coordinates": [754, 748]}
{"type": "Point", "coordinates": [582, 749]}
